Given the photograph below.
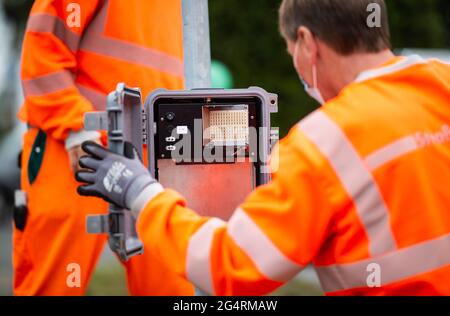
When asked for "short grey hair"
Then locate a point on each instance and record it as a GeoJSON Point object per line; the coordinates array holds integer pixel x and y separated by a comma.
{"type": "Point", "coordinates": [342, 24]}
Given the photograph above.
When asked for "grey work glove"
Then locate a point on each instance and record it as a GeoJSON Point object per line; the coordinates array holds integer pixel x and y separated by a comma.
{"type": "Point", "coordinates": [115, 178]}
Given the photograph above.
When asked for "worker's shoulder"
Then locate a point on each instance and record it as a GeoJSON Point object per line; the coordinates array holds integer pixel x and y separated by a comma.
{"type": "Point", "coordinates": [293, 141]}
{"type": "Point", "coordinates": [296, 150]}
{"type": "Point", "coordinates": [392, 97]}
{"type": "Point", "coordinates": [303, 136]}
{"type": "Point", "coordinates": [440, 68]}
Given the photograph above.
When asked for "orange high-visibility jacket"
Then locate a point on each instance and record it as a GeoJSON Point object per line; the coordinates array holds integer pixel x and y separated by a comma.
{"type": "Point", "coordinates": [74, 53]}
{"type": "Point", "coordinates": [90, 46]}
{"type": "Point", "coordinates": [361, 192]}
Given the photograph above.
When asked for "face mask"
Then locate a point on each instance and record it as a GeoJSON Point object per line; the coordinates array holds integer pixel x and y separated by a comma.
{"type": "Point", "coordinates": [313, 91]}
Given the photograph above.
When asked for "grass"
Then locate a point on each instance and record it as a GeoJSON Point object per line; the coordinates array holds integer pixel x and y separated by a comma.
{"type": "Point", "coordinates": [299, 288]}
{"type": "Point", "coordinates": [110, 280]}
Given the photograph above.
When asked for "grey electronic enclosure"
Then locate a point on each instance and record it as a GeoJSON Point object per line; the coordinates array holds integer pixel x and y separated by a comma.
{"type": "Point", "coordinates": [210, 145]}
{"type": "Point", "coordinates": [123, 122]}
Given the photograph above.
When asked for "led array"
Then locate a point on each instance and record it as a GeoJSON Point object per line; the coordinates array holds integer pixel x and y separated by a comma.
{"type": "Point", "coordinates": [228, 126]}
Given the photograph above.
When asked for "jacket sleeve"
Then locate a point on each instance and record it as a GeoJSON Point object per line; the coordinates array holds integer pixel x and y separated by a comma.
{"type": "Point", "coordinates": [53, 33]}
{"type": "Point", "coordinates": [276, 232]}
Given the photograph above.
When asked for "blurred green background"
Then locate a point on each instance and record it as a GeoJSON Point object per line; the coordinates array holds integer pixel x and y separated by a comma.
{"type": "Point", "coordinates": [245, 38]}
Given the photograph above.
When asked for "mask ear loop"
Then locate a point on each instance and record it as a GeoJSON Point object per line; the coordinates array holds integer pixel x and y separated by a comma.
{"type": "Point", "coordinates": [314, 73]}
{"type": "Point", "coordinates": [295, 53]}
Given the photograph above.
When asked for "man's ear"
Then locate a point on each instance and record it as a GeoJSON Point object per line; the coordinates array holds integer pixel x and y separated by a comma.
{"type": "Point", "coordinates": [309, 45]}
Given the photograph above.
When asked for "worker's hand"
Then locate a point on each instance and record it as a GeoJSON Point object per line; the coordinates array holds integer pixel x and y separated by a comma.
{"type": "Point", "coordinates": [115, 178]}
{"type": "Point", "coordinates": [75, 154]}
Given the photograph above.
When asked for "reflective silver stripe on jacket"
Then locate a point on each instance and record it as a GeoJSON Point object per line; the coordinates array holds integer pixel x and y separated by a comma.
{"type": "Point", "coordinates": [355, 178]}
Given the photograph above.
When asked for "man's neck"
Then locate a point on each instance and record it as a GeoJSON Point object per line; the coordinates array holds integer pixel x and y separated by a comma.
{"type": "Point", "coordinates": [348, 68]}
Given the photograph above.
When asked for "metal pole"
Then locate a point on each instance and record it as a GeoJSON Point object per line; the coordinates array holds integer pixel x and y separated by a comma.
{"type": "Point", "coordinates": [197, 53]}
